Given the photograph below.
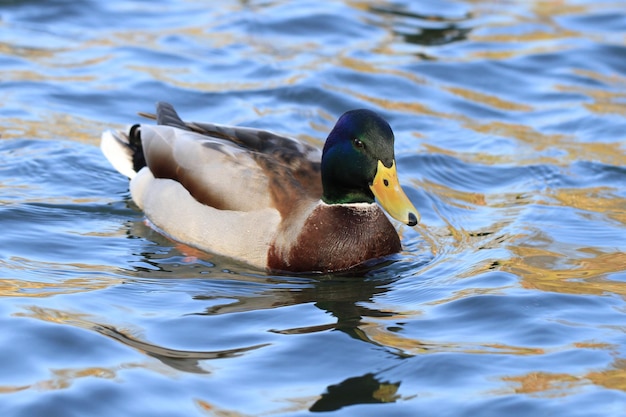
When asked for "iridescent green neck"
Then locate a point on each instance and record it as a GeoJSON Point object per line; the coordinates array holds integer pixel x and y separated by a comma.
{"type": "Point", "coordinates": [334, 195]}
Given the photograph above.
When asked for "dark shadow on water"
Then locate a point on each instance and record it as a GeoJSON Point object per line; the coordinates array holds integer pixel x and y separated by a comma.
{"type": "Point", "coordinates": [425, 30]}
{"type": "Point", "coordinates": [366, 389]}
{"type": "Point", "coordinates": [182, 360]}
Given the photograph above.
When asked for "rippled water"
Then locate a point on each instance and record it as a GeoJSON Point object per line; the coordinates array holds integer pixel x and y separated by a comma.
{"type": "Point", "coordinates": [509, 299]}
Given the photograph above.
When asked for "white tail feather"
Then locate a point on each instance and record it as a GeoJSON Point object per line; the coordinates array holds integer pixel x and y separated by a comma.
{"type": "Point", "coordinates": [118, 153]}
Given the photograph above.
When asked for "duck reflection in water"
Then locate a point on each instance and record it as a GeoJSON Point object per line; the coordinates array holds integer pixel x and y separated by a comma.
{"type": "Point", "coordinates": [344, 298]}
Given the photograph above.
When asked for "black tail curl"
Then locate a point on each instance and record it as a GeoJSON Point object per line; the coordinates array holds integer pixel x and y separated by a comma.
{"type": "Point", "coordinates": [134, 143]}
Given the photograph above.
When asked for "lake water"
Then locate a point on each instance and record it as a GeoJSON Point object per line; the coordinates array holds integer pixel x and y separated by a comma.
{"type": "Point", "coordinates": [508, 300]}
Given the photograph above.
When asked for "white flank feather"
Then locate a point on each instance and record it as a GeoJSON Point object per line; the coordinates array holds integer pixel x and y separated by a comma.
{"type": "Point", "coordinates": [118, 153]}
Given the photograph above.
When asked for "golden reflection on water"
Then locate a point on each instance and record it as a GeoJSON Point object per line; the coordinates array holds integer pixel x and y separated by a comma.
{"type": "Point", "coordinates": [604, 101]}
{"type": "Point", "coordinates": [490, 100]}
{"type": "Point", "coordinates": [361, 65]}
{"type": "Point", "coordinates": [25, 52]}
{"type": "Point", "coordinates": [544, 384]}
{"type": "Point", "coordinates": [600, 200]}
{"type": "Point", "coordinates": [548, 271]}
{"type": "Point", "coordinates": [521, 44]}
{"type": "Point", "coordinates": [65, 378]}
{"type": "Point", "coordinates": [548, 265]}
{"type": "Point", "coordinates": [386, 103]}
{"type": "Point", "coordinates": [613, 378]}
{"type": "Point", "coordinates": [454, 197]}
{"type": "Point", "coordinates": [378, 333]}
{"type": "Point", "coordinates": [554, 385]}
{"type": "Point", "coordinates": [29, 75]}
{"type": "Point", "coordinates": [56, 126]}
{"type": "Point", "coordinates": [53, 285]}
{"type": "Point", "coordinates": [542, 39]}
{"type": "Point", "coordinates": [169, 76]}
{"type": "Point", "coordinates": [536, 383]}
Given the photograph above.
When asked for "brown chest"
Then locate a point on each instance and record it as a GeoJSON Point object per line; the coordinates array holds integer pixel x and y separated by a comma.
{"type": "Point", "coordinates": [337, 237]}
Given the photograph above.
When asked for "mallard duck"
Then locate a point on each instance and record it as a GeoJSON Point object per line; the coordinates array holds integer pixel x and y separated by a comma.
{"type": "Point", "coordinates": [270, 201]}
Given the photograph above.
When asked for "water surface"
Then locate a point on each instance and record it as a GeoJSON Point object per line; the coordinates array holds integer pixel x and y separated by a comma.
{"type": "Point", "coordinates": [509, 298]}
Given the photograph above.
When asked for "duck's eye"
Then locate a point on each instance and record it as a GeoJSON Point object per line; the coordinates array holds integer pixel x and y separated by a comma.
{"type": "Point", "coordinates": [358, 143]}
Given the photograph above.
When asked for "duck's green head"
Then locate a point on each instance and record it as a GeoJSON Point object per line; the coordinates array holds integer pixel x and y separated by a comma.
{"type": "Point", "coordinates": [358, 165]}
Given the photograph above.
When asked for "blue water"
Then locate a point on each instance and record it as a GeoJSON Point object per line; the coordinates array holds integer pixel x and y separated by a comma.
{"type": "Point", "coordinates": [508, 300]}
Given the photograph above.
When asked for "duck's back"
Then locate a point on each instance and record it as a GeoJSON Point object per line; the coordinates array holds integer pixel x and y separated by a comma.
{"type": "Point", "coordinates": [228, 167]}
{"type": "Point", "coordinates": [219, 188]}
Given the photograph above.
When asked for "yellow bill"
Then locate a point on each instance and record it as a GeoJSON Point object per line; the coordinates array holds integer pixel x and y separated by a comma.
{"type": "Point", "coordinates": [390, 195]}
